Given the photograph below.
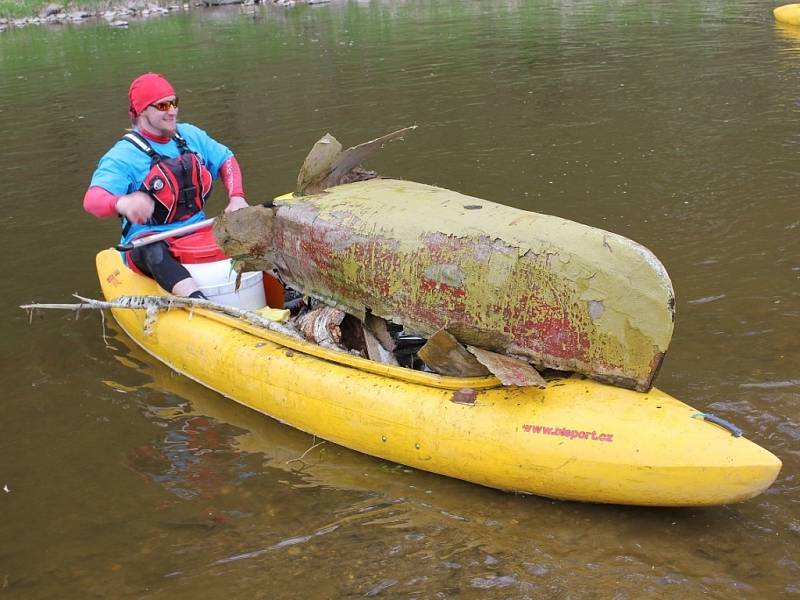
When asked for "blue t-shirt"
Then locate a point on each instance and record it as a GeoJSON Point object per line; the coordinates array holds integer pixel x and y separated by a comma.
{"type": "Point", "coordinates": [122, 169]}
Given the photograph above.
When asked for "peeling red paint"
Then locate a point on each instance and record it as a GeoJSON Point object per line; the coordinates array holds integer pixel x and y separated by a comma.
{"type": "Point", "coordinates": [543, 327]}
{"type": "Point", "coordinates": [508, 293]}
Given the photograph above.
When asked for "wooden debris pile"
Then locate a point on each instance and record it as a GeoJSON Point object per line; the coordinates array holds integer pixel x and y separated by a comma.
{"type": "Point", "coordinates": [377, 339]}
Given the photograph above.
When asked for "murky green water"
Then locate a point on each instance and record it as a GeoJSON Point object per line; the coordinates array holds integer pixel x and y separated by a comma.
{"type": "Point", "coordinates": [675, 124]}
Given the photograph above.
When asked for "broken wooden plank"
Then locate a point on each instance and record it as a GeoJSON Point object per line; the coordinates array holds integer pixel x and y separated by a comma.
{"type": "Point", "coordinates": [317, 165]}
{"type": "Point", "coordinates": [356, 336]}
{"type": "Point", "coordinates": [327, 166]}
{"type": "Point", "coordinates": [445, 355]}
{"type": "Point", "coordinates": [509, 370]}
{"type": "Point", "coordinates": [376, 351]}
{"type": "Point", "coordinates": [380, 329]}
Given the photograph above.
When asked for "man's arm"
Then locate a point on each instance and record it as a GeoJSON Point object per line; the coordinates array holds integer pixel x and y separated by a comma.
{"type": "Point", "coordinates": [108, 195]}
{"type": "Point", "coordinates": [220, 161]}
{"type": "Point", "coordinates": [100, 202]}
{"type": "Point", "coordinates": [231, 176]}
{"type": "Point", "coordinates": [137, 207]}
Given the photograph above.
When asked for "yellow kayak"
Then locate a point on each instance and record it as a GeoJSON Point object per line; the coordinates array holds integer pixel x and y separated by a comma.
{"type": "Point", "coordinates": [577, 439]}
{"type": "Point", "coordinates": [788, 13]}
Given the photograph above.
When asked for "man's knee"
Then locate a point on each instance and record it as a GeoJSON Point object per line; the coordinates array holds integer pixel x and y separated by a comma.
{"type": "Point", "coordinates": [155, 260]}
{"type": "Point", "coordinates": [151, 255]}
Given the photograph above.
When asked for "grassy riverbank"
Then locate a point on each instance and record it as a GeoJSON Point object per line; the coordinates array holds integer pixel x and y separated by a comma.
{"type": "Point", "coordinates": [17, 9]}
{"type": "Point", "coordinates": [35, 12]}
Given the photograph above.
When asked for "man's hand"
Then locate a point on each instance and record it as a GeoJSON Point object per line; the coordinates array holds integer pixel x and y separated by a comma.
{"type": "Point", "coordinates": [236, 203]}
{"type": "Point", "coordinates": [137, 207]}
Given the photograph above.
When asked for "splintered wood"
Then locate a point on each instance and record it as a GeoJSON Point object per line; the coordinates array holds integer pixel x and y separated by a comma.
{"type": "Point", "coordinates": [327, 166]}
{"type": "Point", "coordinates": [445, 355]}
{"type": "Point", "coordinates": [325, 326]}
{"type": "Point", "coordinates": [509, 370]}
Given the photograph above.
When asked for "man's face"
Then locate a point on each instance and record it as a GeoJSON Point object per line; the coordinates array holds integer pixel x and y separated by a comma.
{"type": "Point", "coordinates": [161, 122]}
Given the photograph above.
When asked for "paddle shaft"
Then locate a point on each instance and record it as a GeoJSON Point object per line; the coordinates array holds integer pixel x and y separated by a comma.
{"type": "Point", "coordinates": [158, 237]}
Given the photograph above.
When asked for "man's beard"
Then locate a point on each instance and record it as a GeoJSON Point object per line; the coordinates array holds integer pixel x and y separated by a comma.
{"type": "Point", "coordinates": [167, 129]}
{"type": "Point", "coordinates": [170, 127]}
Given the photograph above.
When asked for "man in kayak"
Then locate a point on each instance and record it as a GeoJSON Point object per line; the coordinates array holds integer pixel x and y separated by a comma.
{"type": "Point", "coordinates": [157, 177]}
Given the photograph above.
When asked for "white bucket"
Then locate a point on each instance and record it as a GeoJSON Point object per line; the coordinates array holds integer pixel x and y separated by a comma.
{"type": "Point", "coordinates": [217, 280]}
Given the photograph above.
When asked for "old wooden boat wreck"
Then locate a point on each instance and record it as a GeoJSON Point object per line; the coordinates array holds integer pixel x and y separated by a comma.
{"type": "Point", "coordinates": [553, 292]}
{"type": "Point", "coordinates": [576, 439]}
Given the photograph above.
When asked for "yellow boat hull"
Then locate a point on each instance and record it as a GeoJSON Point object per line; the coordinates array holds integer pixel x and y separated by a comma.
{"type": "Point", "coordinates": [788, 13]}
{"type": "Point", "coordinates": [576, 440]}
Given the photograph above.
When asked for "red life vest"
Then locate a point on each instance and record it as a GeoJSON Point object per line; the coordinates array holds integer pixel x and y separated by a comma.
{"type": "Point", "coordinates": [179, 186]}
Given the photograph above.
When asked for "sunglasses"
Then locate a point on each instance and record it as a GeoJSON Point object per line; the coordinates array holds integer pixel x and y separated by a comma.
{"type": "Point", "coordinates": [165, 105]}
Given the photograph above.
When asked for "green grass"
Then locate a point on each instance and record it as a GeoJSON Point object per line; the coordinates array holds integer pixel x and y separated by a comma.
{"type": "Point", "coordinates": [17, 9]}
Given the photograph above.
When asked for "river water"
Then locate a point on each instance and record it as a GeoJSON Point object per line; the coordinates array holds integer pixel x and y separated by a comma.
{"type": "Point", "coordinates": [675, 124]}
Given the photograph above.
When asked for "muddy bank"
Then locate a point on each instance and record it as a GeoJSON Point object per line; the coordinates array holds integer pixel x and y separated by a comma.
{"type": "Point", "coordinates": [121, 14]}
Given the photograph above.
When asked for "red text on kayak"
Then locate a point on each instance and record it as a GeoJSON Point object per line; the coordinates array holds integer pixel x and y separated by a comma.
{"type": "Point", "coordinates": [573, 434]}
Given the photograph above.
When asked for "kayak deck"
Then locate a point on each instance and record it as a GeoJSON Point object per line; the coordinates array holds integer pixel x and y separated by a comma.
{"type": "Point", "coordinates": [577, 439]}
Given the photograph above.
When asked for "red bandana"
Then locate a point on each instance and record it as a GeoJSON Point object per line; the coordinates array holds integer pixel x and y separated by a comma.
{"type": "Point", "coordinates": [145, 90]}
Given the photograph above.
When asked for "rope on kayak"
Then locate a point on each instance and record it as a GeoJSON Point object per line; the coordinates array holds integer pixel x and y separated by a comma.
{"type": "Point", "coordinates": [733, 429]}
{"type": "Point", "coordinates": [153, 304]}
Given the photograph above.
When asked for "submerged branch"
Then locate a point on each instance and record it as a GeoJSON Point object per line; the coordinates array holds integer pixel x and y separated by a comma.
{"type": "Point", "coordinates": [303, 455]}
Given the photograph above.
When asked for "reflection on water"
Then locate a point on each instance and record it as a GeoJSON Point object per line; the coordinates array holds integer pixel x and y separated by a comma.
{"type": "Point", "coordinates": [671, 123]}
{"type": "Point", "coordinates": [190, 460]}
